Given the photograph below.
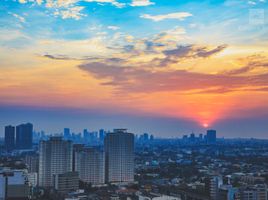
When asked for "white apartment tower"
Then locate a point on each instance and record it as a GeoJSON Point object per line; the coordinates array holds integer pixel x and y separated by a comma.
{"type": "Point", "coordinates": [90, 164]}
{"type": "Point", "coordinates": [55, 157]}
{"type": "Point", "coordinates": [119, 156]}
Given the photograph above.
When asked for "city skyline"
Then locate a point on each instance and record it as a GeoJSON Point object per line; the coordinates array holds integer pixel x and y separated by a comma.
{"type": "Point", "coordinates": [166, 68]}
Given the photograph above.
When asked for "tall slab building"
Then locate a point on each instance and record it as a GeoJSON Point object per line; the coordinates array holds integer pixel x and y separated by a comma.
{"type": "Point", "coordinates": [10, 138]}
{"type": "Point", "coordinates": [211, 136]}
{"type": "Point", "coordinates": [119, 156]}
{"type": "Point", "coordinates": [55, 157]}
{"type": "Point", "coordinates": [90, 164]}
{"type": "Point", "coordinates": [24, 136]}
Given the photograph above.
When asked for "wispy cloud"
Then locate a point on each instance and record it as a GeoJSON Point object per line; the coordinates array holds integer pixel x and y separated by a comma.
{"type": "Point", "coordinates": [141, 3]}
{"type": "Point", "coordinates": [178, 16]}
{"type": "Point", "coordinates": [19, 17]}
{"type": "Point", "coordinates": [179, 53]}
{"type": "Point", "coordinates": [70, 8]}
{"type": "Point", "coordinates": [39, 2]}
{"type": "Point", "coordinates": [113, 2]}
{"type": "Point", "coordinates": [72, 12]}
{"type": "Point", "coordinates": [114, 28]}
{"type": "Point", "coordinates": [253, 62]}
{"type": "Point", "coordinates": [255, 2]}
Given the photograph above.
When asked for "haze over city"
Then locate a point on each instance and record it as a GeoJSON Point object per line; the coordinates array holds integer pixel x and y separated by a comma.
{"type": "Point", "coordinates": [163, 67]}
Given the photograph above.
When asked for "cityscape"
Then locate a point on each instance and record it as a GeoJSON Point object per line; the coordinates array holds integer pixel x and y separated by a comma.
{"type": "Point", "coordinates": [121, 165]}
{"type": "Point", "coordinates": [133, 100]}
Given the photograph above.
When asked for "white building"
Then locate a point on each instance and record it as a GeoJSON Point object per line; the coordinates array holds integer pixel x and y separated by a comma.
{"type": "Point", "coordinates": [119, 156]}
{"type": "Point", "coordinates": [90, 163]}
{"type": "Point", "coordinates": [55, 157]}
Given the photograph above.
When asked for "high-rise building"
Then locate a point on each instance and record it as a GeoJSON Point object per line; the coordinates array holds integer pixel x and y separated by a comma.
{"type": "Point", "coordinates": [200, 137]}
{"type": "Point", "coordinates": [101, 135]}
{"type": "Point", "coordinates": [66, 133]}
{"type": "Point", "coordinates": [24, 136]}
{"type": "Point", "coordinates": [145, 137]}
{"type": "Point", "coordinates": [10, 138]}
{"type": "Point", "coordinates": [76, 148]}
{"type": "Point", "coordinates": [192, 137]}
{"type": "Point", "coordinates": [90, 163]}
{"type": "Point", "coordinates": [211, 136]}
{"type": "Point", "coordinates": [119, 156]}
{"type": "Point", "coordinates": [151, 137]}
{"type": "Point", "coordinates": [55, 157]}
{"type": "Point", "coordinates": [87, 137]}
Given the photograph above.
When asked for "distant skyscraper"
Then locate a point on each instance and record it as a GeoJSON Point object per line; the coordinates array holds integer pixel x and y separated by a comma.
{"type": "Point", "coordinates": [211, 136]}
{"type": "Point", "coordinates": [90, 163]}
{"type": "Point", "coordinates": [87, 136]}
{"type": "Point", "coordinates": [9, 138]}
{"type": "Point", "coordinates": [24, 136]}
{"type": "Point", "coordinates": [145, 137]}
{"type": "Point", "coordinates": [55, 157]}
{"type": "Point", "coordinates": [119, 152]}
{"type": "Point", "coordinates": [192, 137]}
{"type": "Point", "coordinates": [152, 137]}
{"type": "Point", "coordinates": [66, 133]}
{"type": "Point", "coordinates": [101, 135]}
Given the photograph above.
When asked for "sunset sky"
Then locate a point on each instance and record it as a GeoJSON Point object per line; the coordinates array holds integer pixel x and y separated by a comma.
{"type": "Point", "coordinates": [167, 67]}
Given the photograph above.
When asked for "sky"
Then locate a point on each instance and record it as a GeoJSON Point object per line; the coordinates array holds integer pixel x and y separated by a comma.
{"type": "Point", "coordinates": [157, 66]}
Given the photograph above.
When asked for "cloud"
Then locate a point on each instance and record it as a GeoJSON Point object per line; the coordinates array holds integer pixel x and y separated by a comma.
{"type": "Point", "coordinates": [72, 13]}
{"type": "Point", "coordinates": [178, 16]}
{"type": "Point", "coordinates": [158, 50]}
{"type": "Point", "coordinates": [141, 3]}
{"type": "Point", "coordinates": [154, 45]}
{"type": "Point", "coordinates": [131, 79]}
{"type": "Point", "coordinates": [114, 28]}
{"type": "Point", "coordinates": [255, 2]}
{"type": "Point", "coordinates": [11, 35]}
{"type": "Point", "coordinates": [70, 9]}
{"type": "Point", "coordinates": [95, 47]}
{"type": "Point", "coordinates": [113, 2]}
{"type": "Point", "coordinates": [19, 17]}
{"type": "Point", "coordinates": [39, 2]}
{"type": "Point", "coordinates": [23, 1]}
{"type": "Point", "coordinates": [253, 62]}
{"type": "Point", "coordinates": [83, 58]}
{"type": "Point", "coordinates": [222, 90]}
{"type": "Point", "coordinates": [58, 57]}
{"type": "Point", "coordinates": [182, 52]}
{"type": "Point", "coordinates": [204, 52]}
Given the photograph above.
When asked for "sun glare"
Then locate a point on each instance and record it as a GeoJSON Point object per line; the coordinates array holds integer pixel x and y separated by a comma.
{"type": "Point", "coordinates": [205, 125]}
